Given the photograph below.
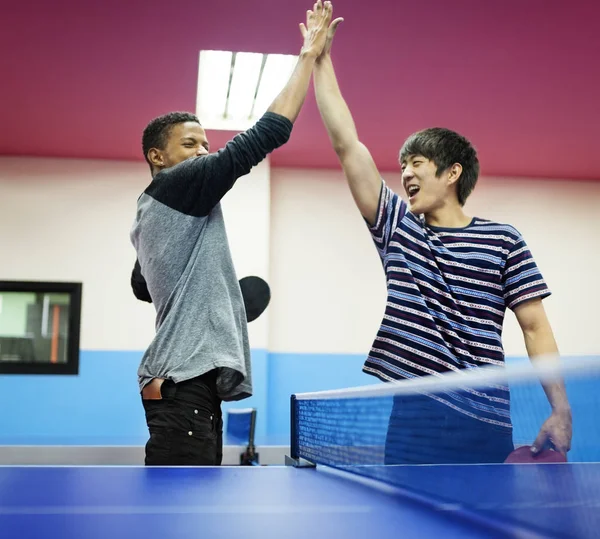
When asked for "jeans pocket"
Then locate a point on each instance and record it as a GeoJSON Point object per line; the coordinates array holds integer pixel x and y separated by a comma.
{"type": "Point", "coordinates": [197, 449]}
{"type": "Point", "coordinates": [203, 423]}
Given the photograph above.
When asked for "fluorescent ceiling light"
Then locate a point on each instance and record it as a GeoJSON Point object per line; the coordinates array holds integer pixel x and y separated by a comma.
{"type": "Point", "coordinates": [236, 88]}
{"type": "Point", "coordinates": [244, 78]}
{"type": "Point", "coordinates": [276, 72]}
{"type": "Point", "coordinates": [213, 84]}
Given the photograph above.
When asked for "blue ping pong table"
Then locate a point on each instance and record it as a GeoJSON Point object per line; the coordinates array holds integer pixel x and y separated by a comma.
{"type": "Point", "coordinates": [259, 502]}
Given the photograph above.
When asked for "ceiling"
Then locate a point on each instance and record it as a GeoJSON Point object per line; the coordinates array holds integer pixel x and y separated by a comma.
{"type": "Point", "coordinates": [521, 79]}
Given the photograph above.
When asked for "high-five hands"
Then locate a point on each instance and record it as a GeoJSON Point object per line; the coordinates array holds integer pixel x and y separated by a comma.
{"type": "Point", "coordinates": [316, 29]}
{"type": "Point", "coordinates": [315, 19]}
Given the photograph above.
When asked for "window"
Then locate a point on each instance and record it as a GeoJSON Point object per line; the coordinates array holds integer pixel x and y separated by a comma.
{"type": "Point", "coordinates": [39, 327]}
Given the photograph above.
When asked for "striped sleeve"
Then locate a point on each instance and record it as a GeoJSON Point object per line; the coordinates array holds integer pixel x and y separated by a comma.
{"type": "Point", "coordinates": [522, 280]}
{"type": "Point", "coordinates": [390, 212]}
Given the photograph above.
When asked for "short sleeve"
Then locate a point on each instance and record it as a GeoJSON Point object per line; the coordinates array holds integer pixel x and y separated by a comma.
{"type": "Point", "coordinates": [390, 211]}
{"type": "Point", "coordinates": [521, 277]}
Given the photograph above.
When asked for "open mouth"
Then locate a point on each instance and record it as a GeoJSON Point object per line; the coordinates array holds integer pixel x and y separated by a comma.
{"type": "Point", "coordinates": [412, 191]}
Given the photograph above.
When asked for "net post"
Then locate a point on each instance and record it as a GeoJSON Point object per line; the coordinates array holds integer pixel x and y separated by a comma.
{"type": "Point", "coordinates": [294, 458]}
{"type": "Point", "coordinates": [293, 429]}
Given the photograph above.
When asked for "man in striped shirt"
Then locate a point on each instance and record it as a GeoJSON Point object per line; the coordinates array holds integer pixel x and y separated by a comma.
{"type": "Point", "coordinates": [450, 278]}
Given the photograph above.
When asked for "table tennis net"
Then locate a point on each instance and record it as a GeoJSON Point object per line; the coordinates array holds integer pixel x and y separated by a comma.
{"type": "Point", "coordinates": [474, 416]}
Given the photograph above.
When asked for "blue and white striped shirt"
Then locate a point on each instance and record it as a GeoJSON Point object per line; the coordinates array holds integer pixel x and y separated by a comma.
{"type": "Point", "coordinates": [447, 293]}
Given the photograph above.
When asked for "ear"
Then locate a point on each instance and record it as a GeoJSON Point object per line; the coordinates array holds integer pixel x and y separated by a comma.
{"type": "Point", "coordinates": [454, 173]}
{"type": "Point", "coordinates": [155, 156]}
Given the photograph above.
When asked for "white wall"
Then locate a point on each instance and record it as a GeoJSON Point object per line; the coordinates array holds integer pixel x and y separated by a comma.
{"type": "Point", "coordinates": [248, 222]}
{"type": "Point", "coordinates": [560, 221]}
{"type": "Point", "coordinates": [328, 284]}
{"type": "Point", "coordinates": [70, 220]}
{"type": "Point", "coordinates": [329, 288]}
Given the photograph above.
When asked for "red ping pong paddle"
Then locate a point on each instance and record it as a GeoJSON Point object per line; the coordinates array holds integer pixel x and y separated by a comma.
{"type": "Point", "coordinates": [523, 455]}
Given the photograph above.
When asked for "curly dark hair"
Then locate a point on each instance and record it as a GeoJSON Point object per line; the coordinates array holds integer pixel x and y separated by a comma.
{"type": "Point", "coordinates": [157, 131]}
{"type": "Point", "coordinates": [445, 148]}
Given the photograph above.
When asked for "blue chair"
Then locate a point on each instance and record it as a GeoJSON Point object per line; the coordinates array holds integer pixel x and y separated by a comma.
{"type": "Point", "coordinates": [241, 424]}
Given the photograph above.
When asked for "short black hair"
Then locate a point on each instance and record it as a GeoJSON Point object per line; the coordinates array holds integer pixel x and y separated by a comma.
{"type": "Point", "coordinates": [158, 130]}
{"type": "Point", "coordinates": [445, 148]}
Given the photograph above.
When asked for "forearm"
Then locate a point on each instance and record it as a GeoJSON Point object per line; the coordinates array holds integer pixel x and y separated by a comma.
{"type": "Point", "coordinates": [541, 347]}
{"type": "Point", "coordinates": [333, 108]}
{"type": "Point", "coordinates": [290, 100]}
{"type": "Point", "coordinates": [358, 165]}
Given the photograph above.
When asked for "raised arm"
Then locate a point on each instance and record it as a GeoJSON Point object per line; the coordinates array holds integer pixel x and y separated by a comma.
{"type": "Point", "coordinates": [358, 165]}
{"type": "Point", "coordinates": [289, 102]}
{"type": "Point", "coordinates": [196, 185]}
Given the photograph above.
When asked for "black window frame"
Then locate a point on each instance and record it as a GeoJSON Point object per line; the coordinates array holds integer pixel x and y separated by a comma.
{"type": "Point", "coordinates": [74, 290]}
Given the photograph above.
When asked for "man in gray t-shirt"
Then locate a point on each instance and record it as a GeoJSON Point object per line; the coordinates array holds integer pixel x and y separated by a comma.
{"type": "Point", "coordinates": [200, 354]}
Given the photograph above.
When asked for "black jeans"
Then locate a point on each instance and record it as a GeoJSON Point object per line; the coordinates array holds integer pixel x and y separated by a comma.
{"type": "Point", "coordinates": [186, 424]}
{"type": "Point", "coordinates": [424, 431]}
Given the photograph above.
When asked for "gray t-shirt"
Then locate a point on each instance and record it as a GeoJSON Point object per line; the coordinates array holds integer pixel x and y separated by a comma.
{"type": "Point", "coordinates": [184, 257]}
